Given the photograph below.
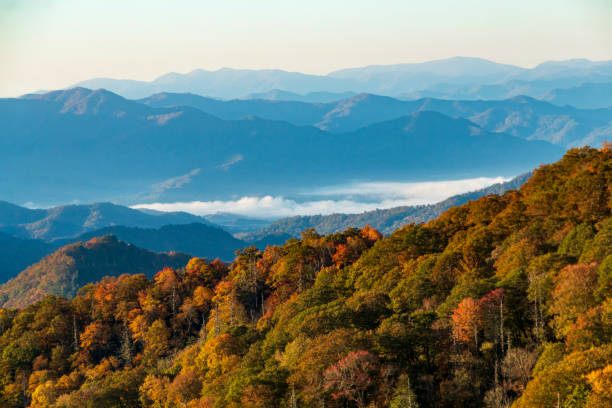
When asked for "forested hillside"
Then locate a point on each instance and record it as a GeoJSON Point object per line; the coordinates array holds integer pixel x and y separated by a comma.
{"type": "Point", "coordinates": [73, 266]}
{"type": "Point", "coordinates": [502, 301]}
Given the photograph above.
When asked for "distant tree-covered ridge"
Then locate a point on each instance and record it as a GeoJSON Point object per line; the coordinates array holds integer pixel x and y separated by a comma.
{"type": "Point", "coordinates": [75, 265]}
{"type": "Point", "coordinates": [386, 221]}
{"type": "Point", "coordinates": [503, 301]}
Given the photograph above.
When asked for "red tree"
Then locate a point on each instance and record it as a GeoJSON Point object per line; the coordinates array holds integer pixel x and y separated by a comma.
{"type": "Point", "coordinates": [352, 376]}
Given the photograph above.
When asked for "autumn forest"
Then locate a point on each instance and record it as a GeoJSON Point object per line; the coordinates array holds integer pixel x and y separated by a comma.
{"type": "Point", "coordinates": [503, 301]}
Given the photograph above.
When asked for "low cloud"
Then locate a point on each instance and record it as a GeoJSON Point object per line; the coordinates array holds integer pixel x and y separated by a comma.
{"type": "Point", "coordinates": [415, 193]}
{"type": "Point", "coordinates": [353, 198]}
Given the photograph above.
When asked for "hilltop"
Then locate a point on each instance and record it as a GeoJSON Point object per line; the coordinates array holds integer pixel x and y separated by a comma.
{"type": "Point", "coordinates": [65, 271]}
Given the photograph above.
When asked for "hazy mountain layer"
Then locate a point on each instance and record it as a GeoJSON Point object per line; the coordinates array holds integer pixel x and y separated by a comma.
{"type": "Point", "coordinates": [589, 95]}
{"type": "Point", "coordinates": [313, 97]}
{"type": "Point", "coordinates": [522, 116]}
{"type": "Point", "coordinates": [455, 78]}
{"type": "Point", "coordinates": [95, 146]}
{"type": "Point", "coordinates": [71, 220]}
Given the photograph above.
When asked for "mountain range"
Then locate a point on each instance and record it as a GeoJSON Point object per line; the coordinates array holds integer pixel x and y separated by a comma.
{"type": "Point", "coordinates": [313, 97]}
{"type": "Point", "coordinates": [68, 221]}
{"type": "Point", "coordinates": [96, 146]}
{"type": "Point", "coordinates": [28, 235]}
{"type": "Point", "coordinates": [452, 78]}
{"type": "Point", "coordinates": [587, 95]}
{"type": "Point", "coordinates": [521, 116]}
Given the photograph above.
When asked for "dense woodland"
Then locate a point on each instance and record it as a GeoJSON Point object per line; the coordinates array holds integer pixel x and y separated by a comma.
{"type": "Point", "coordinates": [503, 301]}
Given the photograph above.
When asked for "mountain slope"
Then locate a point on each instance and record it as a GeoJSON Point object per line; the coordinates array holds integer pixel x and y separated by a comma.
{"type": "Point", "coordinates": [503, 301]}
{"type": "Point", "coordinates": [184, 154]}
{"type": "Point", "coordinates": [312, 97]}
{"type": "Point", "coordinates": [195, 239]}
{"type": "Point", "coordinates": [72, 220]}
{"type": "Point", "coordinates": [11, 214]}
{"type": "Point", "coordinates": [588, 96]}
{"type": "Point", "coordinates": [75, 265]}
{"type": "Point", "coordinates": [385, 221]}
{"type": "Point", "coordinates": [298, 113]}
{"type": "Point", "coordinates": [16, 254]}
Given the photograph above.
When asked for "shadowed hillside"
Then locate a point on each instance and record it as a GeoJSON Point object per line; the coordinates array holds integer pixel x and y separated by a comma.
{"type": "Point", "coordinates": [195, 239]}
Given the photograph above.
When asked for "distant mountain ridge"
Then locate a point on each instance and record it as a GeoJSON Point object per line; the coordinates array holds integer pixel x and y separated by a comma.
{"type": "Point", "coordinates": [520, 116]}
{"type": "Point", "coordinates": [454, 78]}
{"type": "Point", "coordinates": [587, 95]}
{"type": "Point", "coordinates": [197, 239]}
{"type": "Point", "coordinates": [200, 240]}
{"type": "Point", "coordinates": [311, 97]}
{"type": "Point", "coordinates": [76, 147]}
{"type": "Point", "coordinates": [27, 235]}
{"type": "Point", "coordinates": [68, 221]}
{"type": "Point", "coordinates": [386, 221]}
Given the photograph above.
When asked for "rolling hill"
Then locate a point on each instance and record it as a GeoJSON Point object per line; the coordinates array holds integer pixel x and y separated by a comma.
{"type": "Point", "coordinates": [75, 265]}
{"type": "Point", "coordinates": [195, 239]}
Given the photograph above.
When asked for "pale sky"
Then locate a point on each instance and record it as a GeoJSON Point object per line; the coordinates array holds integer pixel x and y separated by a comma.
{"type": "Point", "coordinates": [51, 44]}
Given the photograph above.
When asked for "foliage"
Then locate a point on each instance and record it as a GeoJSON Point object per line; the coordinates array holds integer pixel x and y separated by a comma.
{"type": "Point", "coordinates": [502, 301]}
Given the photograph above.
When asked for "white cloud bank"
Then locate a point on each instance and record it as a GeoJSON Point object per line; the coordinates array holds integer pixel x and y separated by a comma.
{"type": "Point", "coordinates": [347, 199]}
